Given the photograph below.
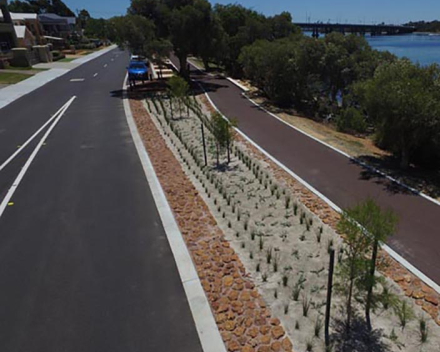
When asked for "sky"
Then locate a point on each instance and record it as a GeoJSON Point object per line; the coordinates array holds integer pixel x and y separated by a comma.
{"type": "Point", "coordinates": [351, 11]}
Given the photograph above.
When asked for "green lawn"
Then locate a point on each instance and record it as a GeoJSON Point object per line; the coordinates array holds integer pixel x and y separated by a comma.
{"type": "Point", "coordinates": [67, 59]}
{"type": "Point", "coordinates": [27, 69]}
{"type": "Point", "coordinates": [12, 78]}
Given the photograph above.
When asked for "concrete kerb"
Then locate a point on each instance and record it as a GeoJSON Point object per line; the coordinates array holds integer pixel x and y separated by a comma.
{"type": "Point", "coordinates": [89, 57]}
{"type": "Point", "coordinates": [206, 326]}
{"type": "Point", "coordinates": [388, 249]}
{"type": "Point", "coordinates": [18, 90]}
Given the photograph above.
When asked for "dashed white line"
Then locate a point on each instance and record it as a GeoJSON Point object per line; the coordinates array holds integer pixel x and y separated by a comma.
{"type": "Point", "coordinates": [95, 75]}
{"type": "Point", "coordinates": [26, 166]}
{"type": "Point", "coordinates": [77, 80]}
{"type": "Point", "coordinates": [105, 65]}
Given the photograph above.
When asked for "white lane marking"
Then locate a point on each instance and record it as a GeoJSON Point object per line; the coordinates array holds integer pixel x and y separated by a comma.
{"type": "Point", "coordinates": [95, 75]}
{"type": "Point", "coordinates": [206, 326]}
{"type": "Point", "coordinates": [389, 250]}
{"type": "Point", "coordinates": [18, 151]}
{"type": "Point", "coordinates": [77, 80]}
{"type": "Point", "coordinates": [26, 166]}
{"type": "Point", "coordinates": [112, 60]}
{"type": "Point", "coordinates": [105, 65]}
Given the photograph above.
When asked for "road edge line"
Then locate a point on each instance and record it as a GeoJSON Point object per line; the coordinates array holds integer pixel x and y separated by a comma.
{"type": "Point", "coordinates": [207, 329]}
{"type": "Point", "coordinates": [405, 263]}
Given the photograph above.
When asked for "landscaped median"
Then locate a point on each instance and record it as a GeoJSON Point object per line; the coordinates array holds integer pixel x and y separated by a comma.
{"type": "Point", "coordinates": [261, 241]}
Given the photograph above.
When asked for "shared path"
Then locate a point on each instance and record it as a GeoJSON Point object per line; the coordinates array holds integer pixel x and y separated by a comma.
{"type": "Point", "coordinates": [335, 176]}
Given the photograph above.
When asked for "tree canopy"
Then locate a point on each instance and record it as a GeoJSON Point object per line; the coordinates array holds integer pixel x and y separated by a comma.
{"type": "Point", "coordinates": [403, 101]}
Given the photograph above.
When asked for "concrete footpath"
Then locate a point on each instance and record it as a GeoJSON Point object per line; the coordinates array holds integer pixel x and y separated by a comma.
{"type": "Point", "coordinates": [16, 91]}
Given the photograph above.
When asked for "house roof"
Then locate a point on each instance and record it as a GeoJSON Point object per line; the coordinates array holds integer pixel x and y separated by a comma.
{"type": "Point", "coordinates": [20, 31]}
{"type": "Point", "coordinates": [52, 17]}
{"type": "Point", "coordinates": [23, 16]}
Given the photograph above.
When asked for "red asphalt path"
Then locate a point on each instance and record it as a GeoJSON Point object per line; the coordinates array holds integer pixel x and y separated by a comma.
{"type": "Point", "coordinates": [334, 175]}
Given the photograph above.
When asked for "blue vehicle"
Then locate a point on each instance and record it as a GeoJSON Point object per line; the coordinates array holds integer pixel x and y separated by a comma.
{"type": "Point", "coordinates": [137, 71]}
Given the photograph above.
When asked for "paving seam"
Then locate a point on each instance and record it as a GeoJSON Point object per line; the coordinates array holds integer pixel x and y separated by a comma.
{"type": "Point", "coordinates": [206, 326]}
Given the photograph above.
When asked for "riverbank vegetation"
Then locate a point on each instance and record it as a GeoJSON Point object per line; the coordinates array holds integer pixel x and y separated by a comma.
{"type": "Point", "coordinates": [426, 27]}
{"type": "Point", "coordinates": [336, 78]}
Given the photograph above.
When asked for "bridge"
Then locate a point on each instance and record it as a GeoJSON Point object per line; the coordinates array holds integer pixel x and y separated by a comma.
{"type": "Point", "coordinates": [361, 29]}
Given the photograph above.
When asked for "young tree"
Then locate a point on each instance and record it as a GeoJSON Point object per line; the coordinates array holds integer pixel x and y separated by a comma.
{"type": "Point", "coordinates": [178, 89]}
{"type": "Point", "coordinates": [352, 268]}
{"type": "Point", "coordinates": [224, 135]}
{"type": "Point", "coordinates": [378, 224]}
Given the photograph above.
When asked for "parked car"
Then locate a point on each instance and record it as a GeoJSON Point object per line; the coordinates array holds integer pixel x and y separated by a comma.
{"type": "Point", "coordinates": [137, 71]}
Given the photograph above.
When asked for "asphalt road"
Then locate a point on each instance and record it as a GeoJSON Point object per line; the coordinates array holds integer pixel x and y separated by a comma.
{"type": "Point", "coordinates": [85, 264]}
{"type": "Point", "coordinates": [335, 176]}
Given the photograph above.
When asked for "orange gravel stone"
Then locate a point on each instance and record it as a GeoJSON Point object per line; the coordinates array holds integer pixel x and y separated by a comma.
{"type": "Point", "coordinates": [277, 332]}
{"type": "Point", "coordinates": [275, 346]}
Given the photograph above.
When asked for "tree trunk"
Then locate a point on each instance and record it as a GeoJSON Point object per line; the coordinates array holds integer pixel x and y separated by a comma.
{"type": "Point", "coordinates": [404, 158]}
{"type": "Point", "coordinates": [183, 66]}
{"type": "Point", "coordinates": [350, 295]}
{"type": "Point", "coordinates": [371, 283]}
{"type": "Point", "coordinates": [206, 63]}
{"type": "Point", "coordinates": [204, 145]}
{"type": "Point", "coordinates": [329, 297]}
{"type": "Point", "coordinates": [228, 147]}
{"type": "Point", "coordinates": [171, 108]}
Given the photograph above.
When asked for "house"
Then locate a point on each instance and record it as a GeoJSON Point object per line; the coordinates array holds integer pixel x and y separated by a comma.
{"type": "Point", "coordinates": [57, 26]}
{"type": "Point", "coordinates": [8, 36]}
{"type": "Point", "coordinates": [34, 29]}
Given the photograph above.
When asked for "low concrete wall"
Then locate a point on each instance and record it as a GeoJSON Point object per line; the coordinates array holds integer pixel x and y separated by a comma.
{"type": "Point", "coordinates": [21, 57]}
{"type": "Point", "coordinates": [44, 54]}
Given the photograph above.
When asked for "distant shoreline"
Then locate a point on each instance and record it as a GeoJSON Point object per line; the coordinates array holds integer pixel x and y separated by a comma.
{"type": "Point", "coordinates": [427, 33]}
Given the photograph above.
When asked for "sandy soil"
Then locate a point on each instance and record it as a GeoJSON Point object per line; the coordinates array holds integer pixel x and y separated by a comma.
{"type": "Point", "coordinates": [281, 243]}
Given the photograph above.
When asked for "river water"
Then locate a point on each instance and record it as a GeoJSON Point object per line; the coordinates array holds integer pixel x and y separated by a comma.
{"type": "Point", "coordinates": [422, 48]}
